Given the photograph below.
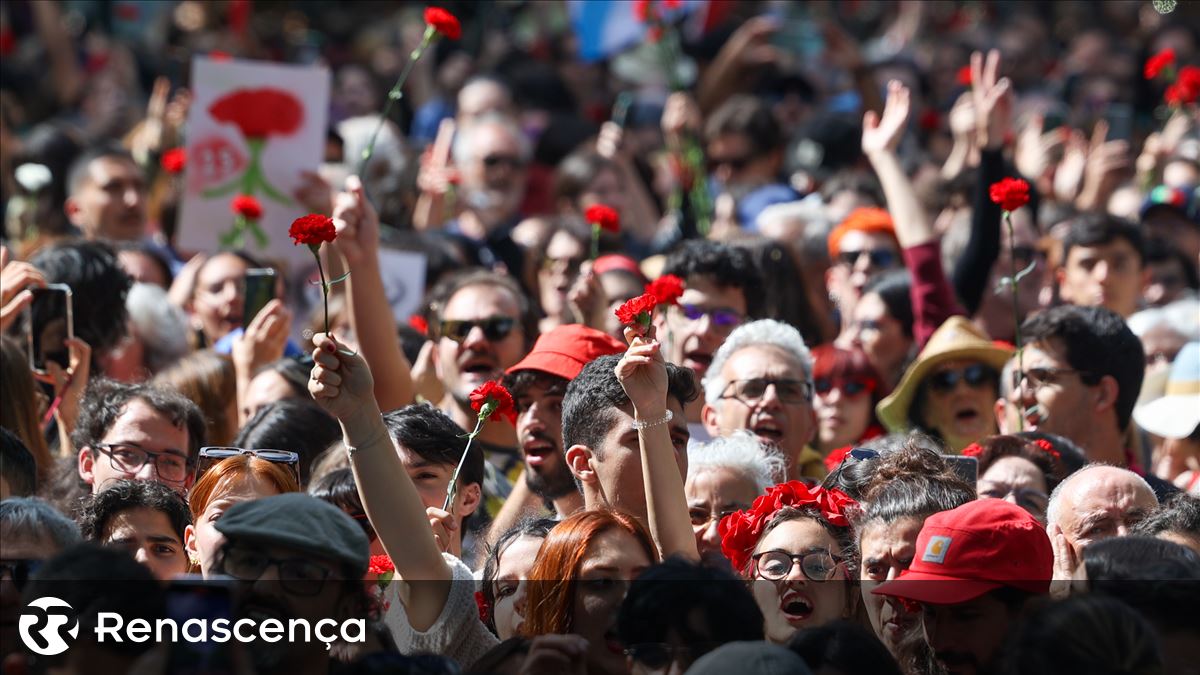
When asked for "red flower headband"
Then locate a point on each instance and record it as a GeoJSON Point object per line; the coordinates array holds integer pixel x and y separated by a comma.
{"type": "Point", "coordinates": [740, 531]}
{"type": "Point", "coordinates": [974, 449]}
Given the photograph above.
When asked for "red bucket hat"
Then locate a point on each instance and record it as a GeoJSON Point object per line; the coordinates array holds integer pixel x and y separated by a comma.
{"type": "Point", "coordinates": [564, 351]}
{"type": "Point", "coordinates": [973, 549]}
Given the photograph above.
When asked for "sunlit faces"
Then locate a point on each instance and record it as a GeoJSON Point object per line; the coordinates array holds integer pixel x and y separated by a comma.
{"type": "Point", "coordinates": [432, 481]}
{"type": "Point", "coordinates": [717, 310]}
{"type": "Point", "coordinates": [886, 550]}
{"type": "Point", "coordinates": [619, 286]}
{"type": "Point", "coordinates": [150, 431]}
{"type": "Point", "coordinates": [564, 254]}
{"type": "Point", "coordinates": [493, 181]}
{"type": "Point", "coordinates": [148, 535]}
{"type": "Point", "coordinates": [775, 417]}
{"type": "Point", "coordinates": [849, 274]}
{"type": "Point", "coordinates": [266, 388]}
{"type": "Point", "coordinates": [508, 588]}
{"type": "Point", "coordinates": [111, 201]}
{"type": "Point", "coordinates": [874, 330]}
{"type": "Point", "coordinates": [1108, 275]}
{"type": "Point", "coordinates": [539, 431]}
{"type": "Point", "coordinates": [958, 397]}
{"type": "Point", "coordinates": [713, 493]}
{"type": "Point", "coordinates": [796, 601]}
{"type": "Point", "coordinates": [464, 366]}
{"type": "Point", "coordinates": [1057, 400]}
{"type": "Point", "coordinates": [605, 188]}
{"type": "Point", "coordinates": [842, 416]}
{"type": "Point", "coordinates": [614, 558]}
{"type": "Point", "coordinates": [612, 475]}
{"type": "Point", "coordinates": [1018, 481]}
{"type": "Point", "coordinates": [1102, 502]}
{"type": "Point", "coordinates": [217, 301]}
{"type": "Point", "coordinates": [201, 537]}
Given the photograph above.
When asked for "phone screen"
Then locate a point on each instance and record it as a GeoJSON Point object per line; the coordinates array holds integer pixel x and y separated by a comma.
{"type": "Point", "coordinates": [1120, 121]}
{"type": "Point", "coordinates": [191, 597]}
{"type": "Point", "coordinates": [49, 324]}
{"type": "Point", "coordinates": [260, 289]}
{"type": "Point", "coordinates": [966, 468]}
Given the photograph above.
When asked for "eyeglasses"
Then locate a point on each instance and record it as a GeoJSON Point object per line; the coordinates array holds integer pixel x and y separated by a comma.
{"type": "Point", "coordinates": [1041, 377]}
{"type": "Point", "coordinates": [817, 565]}
{"type": "Point", "coordinates": [211, 455]}
{"type": "Point", "coordinates": [881, 258]}
{"type": "Point", "coordinates": [788, 391]}
{"type": "Point", "coordinates": [365, 523]}
{"type": "Point", "coordinates": [297, 576]}
{"type": "Point", "coordinates": [509, 161]}
{"type": "Point", "coordinates": [722, 317]}
{"type": "Point", "coordinates": [19, 570]}
{"type": "Point", "coordinates": [130, 458]}
{"type": "Point", "coordinates": [495, 329]}
{"type": "Point", "coordinates": [975, 375]}
{"type": "Point", "coordinates": [701, 517]}
{"type": "Point", "coordinates": [848, 387]}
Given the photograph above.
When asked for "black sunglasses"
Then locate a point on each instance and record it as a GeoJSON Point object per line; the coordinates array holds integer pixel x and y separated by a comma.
{"type": "Point", "coordinates": [849, 387]}
{"type": "Point", "coordinates": [211, 455]}
{"type": "Point", "coordinates": [19, 570]}
{"type": "Point", "coordinates": [881, 257]}
{"type": "Point", "coordinates": [975, 375]}
{"type": "Point", "coordinates": [494, 329]}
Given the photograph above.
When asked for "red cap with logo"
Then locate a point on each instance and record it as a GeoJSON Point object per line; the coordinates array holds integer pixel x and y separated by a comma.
{"type": "Point", "coordinates": [974, 549]}
{"type": "Point", "coordinates": [564, 351]}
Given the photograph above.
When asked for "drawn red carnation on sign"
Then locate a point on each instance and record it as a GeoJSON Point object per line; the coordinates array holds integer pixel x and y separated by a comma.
{"type": "Point", "coordinates": [259, 113]}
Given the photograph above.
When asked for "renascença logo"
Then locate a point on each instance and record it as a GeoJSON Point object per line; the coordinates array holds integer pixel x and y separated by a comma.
{"type": "Point", "coordinates": [43, 623]}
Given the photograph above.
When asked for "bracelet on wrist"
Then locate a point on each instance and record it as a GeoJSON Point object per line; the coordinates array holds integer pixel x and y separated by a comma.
{"type": "Point", "coordinates": [646, 424]}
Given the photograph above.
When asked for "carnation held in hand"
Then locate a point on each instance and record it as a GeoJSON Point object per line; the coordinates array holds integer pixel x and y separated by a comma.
{"type": "Point", "coordinates": [1010, 193]}
{"type": "Point", "coordinates": [489, 398]}
{"type": "Point", "coordinates": [666, 289]}
{"type": "Point", "coordinates": [602, 219]}
{"type": "Point", "coordinates": [312, 231]}
{"type": "Point", "coordinates": [636, 312]}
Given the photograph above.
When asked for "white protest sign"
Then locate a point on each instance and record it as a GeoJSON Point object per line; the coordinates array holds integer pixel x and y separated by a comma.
{"type": "Point", "coordinates": [252, 129]}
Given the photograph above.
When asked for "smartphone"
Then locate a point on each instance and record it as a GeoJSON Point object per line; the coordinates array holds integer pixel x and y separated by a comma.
{"type": "Point", "coordinates": [49, 323]}
{"type": "Point", "coordinates": [966, 468]}
{"type": "Point", "coordinates": [260, 289]}
{"type": "Point", "coordinates": [1120, 121]}
{"type": "Point", "coordinates": [191, 596]}
{"type": "Point", "coordinates": [620, 111]}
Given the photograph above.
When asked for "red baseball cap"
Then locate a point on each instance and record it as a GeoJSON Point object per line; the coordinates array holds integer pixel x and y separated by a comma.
{"type": "Point", "coordinates": [976, 548]}
{"type": "Point", "coordinates": [564, 351]}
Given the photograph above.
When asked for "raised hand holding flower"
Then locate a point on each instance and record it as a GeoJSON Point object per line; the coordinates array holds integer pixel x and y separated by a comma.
{"type": "Point", "coordinates": [637, 312]}
{"type": "Point", "coordinates": [312, 231]}
{"type": "Point", "coordinates": [488, 399]}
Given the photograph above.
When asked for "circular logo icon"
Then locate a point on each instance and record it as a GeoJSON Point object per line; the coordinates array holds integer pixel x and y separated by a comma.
{"type": "Point", "coordinates": [43, 624]}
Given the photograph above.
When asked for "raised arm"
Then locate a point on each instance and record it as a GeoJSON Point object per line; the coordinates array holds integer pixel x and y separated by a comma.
{"type": "Point", "coordinates": [643, 374]}
{"type": "Point", "coordinates": [370, 314]}
{"type": "Point", "coordinates": [342, 384]}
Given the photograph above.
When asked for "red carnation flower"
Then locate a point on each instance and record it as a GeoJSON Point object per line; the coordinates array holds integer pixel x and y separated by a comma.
{"type": "Point", "coordinates": [419, 324]}
{"type": "Point", "coordinates": [1010, 193]}
{"type": "Point", "coordinates": [174, 160]}
{"type": "Point", "coordinates": [1186, 88]}
{"type": "Point", "coordinates": [482, 603]}
{"type": "Point", "coordinates": [972, 450]}
{"type": "Point", "coordinates": [312, 230]}
{"type": "Point", "coordinates": [964, 76]}
{"type": "Point", "coordinates": [1047, 447]}
{"type": "Point", "coordinates": [259, 113]}
{"type": "Point", "coordinates": [247, 207]}
{"type": "Point", "coordinates": [443, 22]}
{"type": "Point", "coordinates": [1155, 64]}
{"type": "Point", "coordinates": [381, 564]}
{"type": "Point", "coordinates": [740, 531]}
{"type": "Point", "coordinates": [636, 312]}
{"type": "Point", "coordinates": [667, 289]}
{"type": "Point", "coordinates": [641, 10]}
{"type": "Point", "coordinates": [604, 216]}
{"type": "Point", "coordinates": [500, 400]}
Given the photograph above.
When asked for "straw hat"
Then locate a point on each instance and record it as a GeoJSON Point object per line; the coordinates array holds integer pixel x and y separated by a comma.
{"type": "Point", "coordinates": [954, 340]}
{"type": "Point", "coordinates": [1176, 414]}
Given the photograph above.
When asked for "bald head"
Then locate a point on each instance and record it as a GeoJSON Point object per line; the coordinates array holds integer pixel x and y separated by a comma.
{"type": "Point", "coordinates": [1098, 502]}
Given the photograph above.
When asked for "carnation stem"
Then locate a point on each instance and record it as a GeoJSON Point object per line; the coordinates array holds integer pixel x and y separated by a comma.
{"type": "Point", "coordinates": [395, 93]}
{"type": "Point", "coordinates": [595, 241]}
{"type": "Point", "coordinates": [324, 288]}
{"type": "Point", "coordinates": [1012, 262]}
{"type": "Point", "coordinates": [452, 488]}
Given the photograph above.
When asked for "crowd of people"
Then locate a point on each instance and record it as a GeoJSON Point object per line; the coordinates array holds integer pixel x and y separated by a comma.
{"type": "Point", "coordinates": [902, 415]}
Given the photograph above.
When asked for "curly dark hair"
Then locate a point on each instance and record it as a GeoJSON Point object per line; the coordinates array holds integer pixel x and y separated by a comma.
{"type": "Point", "coordinates": [105, 400]}
{"type": "Point", "coordinates": [1180, 513]}
{"type": "Point", "coordinates": [98, 289]}
{"type": "Point", "coordinates": [97, 510]}
{"type": "Point", "coordinates": [434, 437]}
{"type": "Point", "coordinates": [587, 409]}
{"type": "Point", "coordinates": [728, 266]}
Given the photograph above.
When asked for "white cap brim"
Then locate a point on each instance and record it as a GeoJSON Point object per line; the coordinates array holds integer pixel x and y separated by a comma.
{"type": "Point", "coordinates": [1170, 416]}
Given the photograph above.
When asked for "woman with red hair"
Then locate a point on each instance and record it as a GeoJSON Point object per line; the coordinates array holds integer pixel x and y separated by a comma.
{"type": "Point", "coordinates": [240, 478]}
{"type": "Point", "coordinates": [846, 388]}
{"type": "Point", "coordinates": [582, 572]}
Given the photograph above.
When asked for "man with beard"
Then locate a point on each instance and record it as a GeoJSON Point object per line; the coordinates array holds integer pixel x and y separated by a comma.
{"type": "Point", "coordinates": [761, 381]}
{"type": "Point", "coordinates": [977, 570]}
{"type": "Point", "coordinates": [107, 195]}
{"type": "Point", "coordinates": [483, 325]}
{"type": "Point", "coordinates": [722, 289]}
{"type": "Point", "coordinates": [538, 384]}
{"type": "Point", "coordinates": [298, 558]}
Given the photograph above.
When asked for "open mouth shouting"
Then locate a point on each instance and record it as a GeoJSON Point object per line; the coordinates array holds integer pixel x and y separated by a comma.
{"type": "Point", "coordinates": [478, 368]}
{"type": "Point", "coordinates": [768, 429]}
{"type": "Point", "coordinates": [795, 606]}
{"type": "Point", "coordinates": [697, 360]}
{"type": "Point", "coordinates": [538, 450]}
